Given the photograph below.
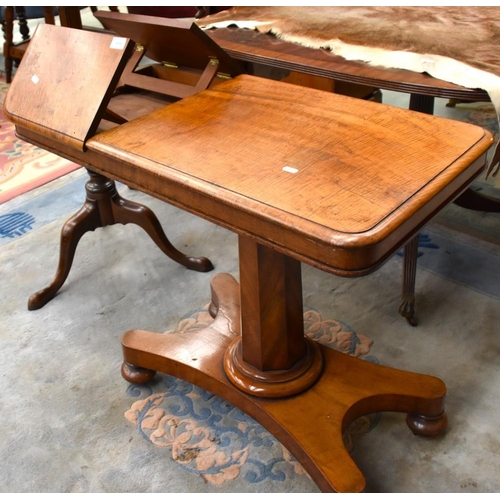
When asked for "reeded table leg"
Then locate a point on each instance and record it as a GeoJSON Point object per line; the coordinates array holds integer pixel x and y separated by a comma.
{"type": "Point", "coordinates": [407, 308]}
{"type": "Point", "coordinates": [423, 104]}
{"type": "Point", "coordinates": [104, 207]}
{"type": "Point", "coordinates": [277, 377]}
{"type": "Point", "coordinates": [469, 199]}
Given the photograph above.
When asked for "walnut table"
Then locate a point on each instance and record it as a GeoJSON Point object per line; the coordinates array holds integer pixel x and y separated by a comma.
{"type": "Point", "coordinates": [301, 176]}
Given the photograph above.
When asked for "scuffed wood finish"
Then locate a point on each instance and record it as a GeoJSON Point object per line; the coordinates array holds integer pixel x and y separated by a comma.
{"type": "Point", "coordinates": [43, 98]}
{"type": "Point", "coordinates": [369, 176]}
{"type": "Point", "coordinates": [309, 424]}
{"type": "Point", "coordinates": [359, 193]}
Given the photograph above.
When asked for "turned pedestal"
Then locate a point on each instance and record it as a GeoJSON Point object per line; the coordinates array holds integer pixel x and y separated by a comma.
{"type": "Point", "coordinates": [255, 356]}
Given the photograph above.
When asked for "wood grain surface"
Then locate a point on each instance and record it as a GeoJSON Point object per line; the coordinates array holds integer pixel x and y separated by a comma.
{"type": "Point", "coordinates": [364, 170]}
{"type": "Point", "coordinates": [57, 94]}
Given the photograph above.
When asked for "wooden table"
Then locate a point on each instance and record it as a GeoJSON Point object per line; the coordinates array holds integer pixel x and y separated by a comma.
{"type": "Point", "coordinates": [249, 47]}
{"type": "Point", "coordinates": [300, 176]}
{"type": "Point", "coordinates": [394, 169]}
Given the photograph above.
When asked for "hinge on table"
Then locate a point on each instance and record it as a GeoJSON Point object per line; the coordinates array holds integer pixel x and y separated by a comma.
{"type": "Point", "coordinates": [169, 64]}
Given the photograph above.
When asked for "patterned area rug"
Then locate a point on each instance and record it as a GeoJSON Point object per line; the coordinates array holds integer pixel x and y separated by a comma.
{"type": "Point", "coordinates": [23, 166]}
{"type": "Point", "coordinates": [209, 437]}
{"type": "Point", "coordinates": [70, 423]}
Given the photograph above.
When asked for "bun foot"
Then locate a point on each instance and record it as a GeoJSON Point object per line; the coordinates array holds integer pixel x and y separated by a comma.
{"type": "Point", "coordinates": [137, 375]}
{"type": "Point", "coordinates": [422, 425]}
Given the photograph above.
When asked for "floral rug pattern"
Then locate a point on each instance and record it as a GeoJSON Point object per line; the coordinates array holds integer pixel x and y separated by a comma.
{"type": "Point", "coordinates": [211, 438]}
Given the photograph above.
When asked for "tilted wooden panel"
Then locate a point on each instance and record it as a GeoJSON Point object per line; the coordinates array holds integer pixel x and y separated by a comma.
{"type": "Point", "coordinates": [65, 81]}
{"type": "Point", "coordinates": [175, 41]}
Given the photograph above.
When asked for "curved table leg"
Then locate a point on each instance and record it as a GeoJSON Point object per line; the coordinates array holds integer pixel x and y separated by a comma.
{"type": "Point", "coordinates": [103, 207]}
{"type": "Point", "coordinates": [86, 219]}
{"type": "Point", "coordinates": [407, 307]}
{"type": "Point", "coordinates": [126, 212]}
{"type": "Point", "coordinates": [311, 422]}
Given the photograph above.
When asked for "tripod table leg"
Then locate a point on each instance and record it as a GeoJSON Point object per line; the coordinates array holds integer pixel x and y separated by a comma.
{"type": "Point", "coordinates": [103, 207]}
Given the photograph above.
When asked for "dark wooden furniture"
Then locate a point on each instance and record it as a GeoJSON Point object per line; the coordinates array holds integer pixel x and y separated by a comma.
{"type": "Point", "coordinates": [15, 51]}
{"type": "Point", "coordinates": [252, 47]}
{"type": "Point", "coordinates": [186, 59]}
{"type": "Point", "coordinates": [94, 85]}
{"type": "Point", "coordinates": [300, 176]}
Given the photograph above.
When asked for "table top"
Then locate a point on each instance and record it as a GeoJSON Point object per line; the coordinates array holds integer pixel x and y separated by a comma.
{"type": "Point", "coordinates": [301, 170]}
{"type": "Point", "coordinates": [252, 46]}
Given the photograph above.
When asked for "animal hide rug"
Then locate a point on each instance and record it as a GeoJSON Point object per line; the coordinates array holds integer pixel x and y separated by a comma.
{"type": "Point", "coordinates": [456, 44]}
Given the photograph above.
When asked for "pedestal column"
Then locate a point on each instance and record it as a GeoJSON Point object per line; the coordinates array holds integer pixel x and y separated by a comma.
{"type": "Point", "coordinates": [272, 358]}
